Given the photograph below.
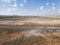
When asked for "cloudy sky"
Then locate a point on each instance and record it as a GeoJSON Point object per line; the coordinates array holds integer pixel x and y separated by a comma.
{"type": "Point", "coordinates": [30, 7]}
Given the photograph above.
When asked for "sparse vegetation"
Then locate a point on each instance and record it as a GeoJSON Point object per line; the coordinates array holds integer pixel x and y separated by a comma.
{"type": "Point", "coordinates": [50, 39]}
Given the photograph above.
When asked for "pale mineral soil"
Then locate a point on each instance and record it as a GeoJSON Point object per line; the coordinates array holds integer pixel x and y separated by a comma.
{"type": "Point", "coordinates": [30, 21]}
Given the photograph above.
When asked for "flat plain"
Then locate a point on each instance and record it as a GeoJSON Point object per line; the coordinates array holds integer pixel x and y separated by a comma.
{"type": "Point", "coordinates": [29, 30]}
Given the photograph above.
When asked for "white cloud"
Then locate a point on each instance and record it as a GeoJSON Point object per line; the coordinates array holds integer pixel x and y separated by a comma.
{"type": "Point", "coordinates": [9, 11]}
{"type": "Point", "coordinates": [9, 4]}
{"type": "Point", "coordinates": [42, 7]}
{"type": "Point", "coordinates": [58, 11]}
{"type": "Point", "coordinates": [15, 4]}
{"type": "Point", "coordinates": [6, 0]}
{"type": "Point", "coordinates": [44, 12]}
{"type": "Point", "coordinates": [24, 1]}
{"type": "Point", "coordinates": [53, 8]}
{"type": "Point", "coordinates": [21, 4]}
{"type": "Point", "coordinates": [53, 4]}
{"type": "Point", "coordinates": [47, 3]}
{"type": "Point", "coordinates": [14, 0]}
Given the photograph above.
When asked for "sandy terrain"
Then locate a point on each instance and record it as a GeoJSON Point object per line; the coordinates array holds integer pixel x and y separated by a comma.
{"type": "Point", "coordinates": [51, 23]}
{"type": "Point", "coordinates": [31, 37]}
{"type": "Point", "coordinates": [27, 36]}
{"type": "Point", "coordinates": [33, 21]}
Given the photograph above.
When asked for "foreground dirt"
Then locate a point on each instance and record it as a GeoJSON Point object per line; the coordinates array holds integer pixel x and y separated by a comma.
{"type": "Point", "coordinates": [17, 37]}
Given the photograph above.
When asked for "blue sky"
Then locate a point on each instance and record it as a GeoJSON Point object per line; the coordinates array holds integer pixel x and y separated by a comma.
{"type": "Point", "coordinates": [30, 7]}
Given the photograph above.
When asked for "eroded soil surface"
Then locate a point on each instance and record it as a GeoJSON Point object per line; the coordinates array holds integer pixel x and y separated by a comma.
{"type": "Point", "coordinates": [31, 37]}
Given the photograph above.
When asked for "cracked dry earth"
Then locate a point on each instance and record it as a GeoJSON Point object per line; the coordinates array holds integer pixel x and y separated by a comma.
{"type": "Point", "coordinates": [31, 37]}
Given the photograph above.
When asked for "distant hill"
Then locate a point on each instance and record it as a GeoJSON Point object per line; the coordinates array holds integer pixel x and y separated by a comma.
{"type": "Point", "coordinates": [15, 17]}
